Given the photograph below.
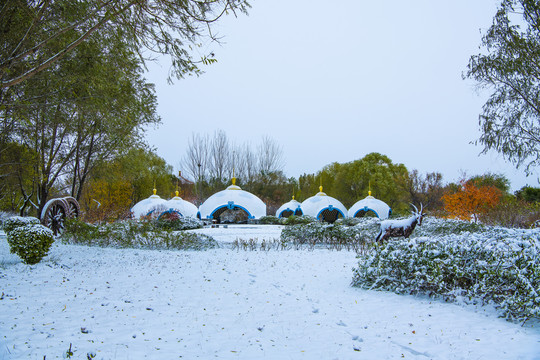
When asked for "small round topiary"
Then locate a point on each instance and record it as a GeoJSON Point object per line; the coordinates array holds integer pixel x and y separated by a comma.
{"type": "Point", "coordinates": [31, 242]}
{"type": "Point", "coordinates": [16, 221]}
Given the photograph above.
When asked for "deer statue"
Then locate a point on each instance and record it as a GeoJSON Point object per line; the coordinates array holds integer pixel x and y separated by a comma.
{"type": "Point", "coordinates": [404, 227]}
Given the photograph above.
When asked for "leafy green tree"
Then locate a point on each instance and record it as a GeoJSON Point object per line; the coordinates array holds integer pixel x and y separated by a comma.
{"type": "Point", "coordinates": [38, 34]}
{"type": "Point", "coordinates": [352, 181]}
{"type": "Point", "coordinates": [17, 179]}
{"type": "Point", "coordinates": [128, 179]}
{"type": "Point", "coordinates": [499, 181]}
{"type": "Point", "coordinates": [91, 107]}
{"type": "Point", "coordinates": [378, 173]}
{"type": "Point", "coordinates": [529, 194]}
{"type": "Point", "coordinates": [510, 121]}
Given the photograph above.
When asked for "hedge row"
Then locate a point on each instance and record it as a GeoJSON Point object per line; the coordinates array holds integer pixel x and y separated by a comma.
{"type": "Point", "coordinates": [497, 266]}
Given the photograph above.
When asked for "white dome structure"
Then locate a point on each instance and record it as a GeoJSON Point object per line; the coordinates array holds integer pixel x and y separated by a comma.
{"type": "Point", "coordinates": [380, 208]}
{"type": "Point", "coordinates": [180, 206]}
{"type": "Point", "coordinates": [292, 207]}
{"type": "Point", "coordinates": [232, 198]}
{"type": "Point", "coordinates": [324, 207]}
{"type": "Point", "coordinates": [153, 205]}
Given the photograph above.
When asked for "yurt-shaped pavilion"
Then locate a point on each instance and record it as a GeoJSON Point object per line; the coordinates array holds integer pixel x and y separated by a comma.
{"type": "Point", "coordinates": [151, 206]}
{"type": "Point", "coordinates": [229, 201]}
{"type": "Point", "coordinates": [370, 205]}
{"type": "Point", "coordinates": [324, 207]}
{"type": "Point", "coordinates": [155, 206]}
{"type": "Point", "coordinates": [292, 207]}
{"type": "Point", "coordinates": [179, 207]}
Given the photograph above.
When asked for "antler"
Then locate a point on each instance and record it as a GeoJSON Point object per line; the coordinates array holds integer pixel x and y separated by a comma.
{"type": "Point", "coordinates": [415, 208]}
{"type": "Point", "coordinates": [421, 207]}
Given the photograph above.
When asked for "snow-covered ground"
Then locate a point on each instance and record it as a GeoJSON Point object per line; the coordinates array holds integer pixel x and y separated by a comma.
{"type": "Point", "coordinates": [228, 304]}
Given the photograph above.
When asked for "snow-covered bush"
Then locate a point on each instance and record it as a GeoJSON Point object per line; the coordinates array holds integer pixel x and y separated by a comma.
{"type": "Point", "coordinates": [499, 267]}
{"type": "Point", "coordinates": [133, 234]}
{"type": "Point", "coordinates": [302, 219]}
{"type": "Point", "coordinates": [270, 220]}
{"type": "Point", "coordinates": [16, 221]}
{"type": "Point", "coordinates": [348, 221]}
{"type": "Point", "coordinates": [178, 223]}
{"type": "Point", "coordinates": [3, 217]}
{"type": "Point", "coordinates": [333, 236]}
{"type": "Point", "coordinates": [175, 241]}
{"type": "Point", "coordinates": [30, 242]}
{"type": "Point", "coordinates": [437, 226]}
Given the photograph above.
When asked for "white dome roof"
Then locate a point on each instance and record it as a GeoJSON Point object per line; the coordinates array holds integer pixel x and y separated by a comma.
{"type": "Point", "coordinates": [292, 205]}
{"type": "Point", "coordinates": [315, 205]}
{"type": "Point", "coordinates": [233, 197]}
{"type": "Point", "coordinates": [149, 206]}
{"type": "Point", "coordinates": [380, 208]}
{"type": "Point", "coordinates": [181, 206]}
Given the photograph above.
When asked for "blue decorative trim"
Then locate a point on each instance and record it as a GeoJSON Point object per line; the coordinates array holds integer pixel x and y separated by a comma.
{"type": "Point", "coordinates": [366, 209]}
{"type": "Point", "coordinates": [282, 211]}
{"type": "Point", "coordinates": [230, 205]}
{"type": "Point", "coordinates": [170, 211]}
{"type": "Point", "coordinates": [330, 207]}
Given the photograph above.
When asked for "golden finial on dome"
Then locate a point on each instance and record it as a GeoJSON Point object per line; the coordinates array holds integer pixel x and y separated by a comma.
{"type": "Point", "coordinates": [177, 192]}
{"type": "Point", "coordinates": [233, 180]}
{"type": "Point", "coordinates": [320, 188]}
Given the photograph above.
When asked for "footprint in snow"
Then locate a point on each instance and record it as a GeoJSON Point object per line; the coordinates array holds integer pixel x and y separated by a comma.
{"type": "Point", "coordinates": [341, 323]}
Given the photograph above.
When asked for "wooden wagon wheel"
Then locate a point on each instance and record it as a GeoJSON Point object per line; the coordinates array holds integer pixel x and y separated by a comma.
{"type": "Point", "coordinates": [73, 208]}
{"type": "Point", "coordinates": [55, 215]}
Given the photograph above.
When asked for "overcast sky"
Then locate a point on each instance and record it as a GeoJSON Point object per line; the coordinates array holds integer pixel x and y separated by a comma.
{"type": "Point", "coordinates": [334, 81]}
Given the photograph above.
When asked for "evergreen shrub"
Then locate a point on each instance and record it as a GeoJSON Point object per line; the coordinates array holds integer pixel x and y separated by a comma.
{"type": "Point", "coordinates": [30, 242]}
{"type": "Point", "coordinates": [16, 221]}
{"type": "Point", "coordinates": [3, 217]}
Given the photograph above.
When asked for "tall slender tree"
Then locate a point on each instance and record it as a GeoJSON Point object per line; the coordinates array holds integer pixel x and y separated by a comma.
{"type": "Point", "coordinates": [510, 121]}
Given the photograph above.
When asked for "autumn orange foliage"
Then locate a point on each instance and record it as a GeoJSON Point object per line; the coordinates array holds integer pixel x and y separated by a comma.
{"type": "Point", "coordinates": [471, 201]}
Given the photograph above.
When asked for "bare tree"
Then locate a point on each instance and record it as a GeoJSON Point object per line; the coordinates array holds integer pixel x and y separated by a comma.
{"type": "Point", "coordinates": [236, 166]}
{"type": "Point", "coordinates": [270, 156]}
{"type": "Point", "coordinates": [197, 158]}
{"type": "Point", "coordinates": [426, 189]}
{"type": "Point", "coordinates": [220, 156]}
{"type": "Point", "coordinates": [250, 163]}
